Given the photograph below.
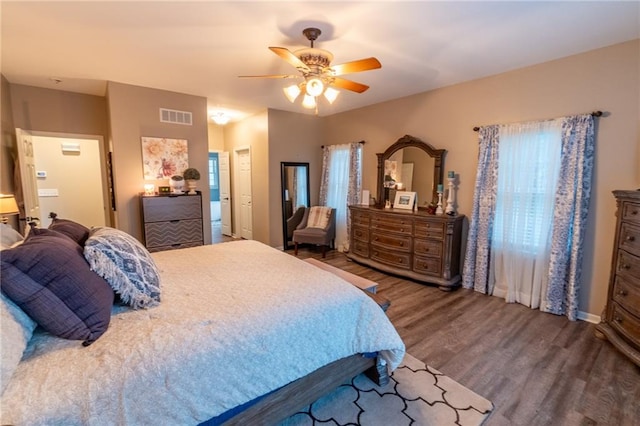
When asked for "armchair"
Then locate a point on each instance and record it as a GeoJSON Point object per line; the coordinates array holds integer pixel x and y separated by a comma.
{"type": "Point", "coordinates": [318, 226]}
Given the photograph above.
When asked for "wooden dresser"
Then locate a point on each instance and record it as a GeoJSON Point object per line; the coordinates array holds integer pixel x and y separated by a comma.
{"type": "Point", "coordinates": [416, 245]}
{"type": "Point", "coordinates": [172, 221]}
{"type": "Point", "coordinates": [621, 318]}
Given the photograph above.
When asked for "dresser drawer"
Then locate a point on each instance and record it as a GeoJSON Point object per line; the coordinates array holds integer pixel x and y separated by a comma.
{"type": "Point", "coordinates": [162, 208]}
{"type": "Point", "coordinates": [427, 265]}
{"type": "Point", "coordinates": [359, 218]}
{"type": "Point", "coordinates": [428, 229]}
{"type": "Point", "coordinates": [630, 238]}
{"type": "Point", "coordinates": [429, 248]}
{"type": "Point", "coordinates": [631, 212]}
{"type": "Point", "coordinates": [626, 324]}
{"type": "Point", "coordinates": [628, 264]}
{"type": "Point", "coordinates": [627, 294]}
{"type": "Point", "coordinates": [392, 224]}
{"type": "Point", "coordinates": [173, 232]}
{"type": "Point", "coordinates": [392, 258]}
{"type": "Point", "coordinates": [390, 241]}
{"type": "Point", "coordinates": [360, 233]}
{"type": "Point", "coordinates": [360, 248]}
{"type": "Point", "coordinates": [176, 246]}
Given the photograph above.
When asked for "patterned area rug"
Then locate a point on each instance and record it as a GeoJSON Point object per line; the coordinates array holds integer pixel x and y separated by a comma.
{"type": "Point", "coordinates": [416, 395]}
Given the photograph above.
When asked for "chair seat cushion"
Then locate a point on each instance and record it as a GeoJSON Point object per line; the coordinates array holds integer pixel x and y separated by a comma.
{"type": "Point", "coordinates": [311, 236]}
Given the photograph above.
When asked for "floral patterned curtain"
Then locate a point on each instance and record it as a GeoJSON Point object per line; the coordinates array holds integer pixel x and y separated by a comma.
{"type": "Point", "coordinates": [341, 185]}
{"type": "Point", "coordinates": [572, 196]}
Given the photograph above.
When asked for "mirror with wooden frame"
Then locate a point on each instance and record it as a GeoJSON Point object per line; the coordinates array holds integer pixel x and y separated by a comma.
{"type": "Point", "coordinates": [294, 181]}
{"type": "Point", "coordinates": [410, 165]}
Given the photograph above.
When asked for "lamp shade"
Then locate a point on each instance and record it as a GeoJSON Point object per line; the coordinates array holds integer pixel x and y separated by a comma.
{"type": "Point", "coordinates": [315, 87]}
{"type": "Point", "coordinates": [331, 94]}
{"type": "Point", "coordinates": [8, 205]}
{"type": "Point", "coordinates": [309, 102]}
{"type": "Point", "coordinates": [291, 92]}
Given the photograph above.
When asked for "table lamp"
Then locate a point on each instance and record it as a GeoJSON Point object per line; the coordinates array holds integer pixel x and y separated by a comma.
{"type": "Point", "coordinates": [8, 206]}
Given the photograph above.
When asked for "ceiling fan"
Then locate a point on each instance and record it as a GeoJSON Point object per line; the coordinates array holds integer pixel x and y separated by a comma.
{"type": "Point", "coordinates": [317, 72]}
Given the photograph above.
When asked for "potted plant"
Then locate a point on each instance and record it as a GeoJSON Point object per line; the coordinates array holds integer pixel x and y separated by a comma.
{"type": "Point", "coordinates": [191, 175]}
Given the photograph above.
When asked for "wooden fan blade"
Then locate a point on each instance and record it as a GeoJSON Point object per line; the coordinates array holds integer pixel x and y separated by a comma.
{"type": "Point", "coordinates": [286, 54]}
{"type": "Point", "coordinates": [356, 66]}
{"type": "Point", "coordinates": [269, 76]}
{"type": "Point", "coordinates": [349, 85]}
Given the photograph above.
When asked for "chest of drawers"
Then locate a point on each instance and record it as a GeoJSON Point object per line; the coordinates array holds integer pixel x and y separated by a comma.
{"type": "Point", "coordinates": [172, 222]}
{"type": "Point", "coordinates": [413, 244]}
{"type": "Point", "coordinates": [621, 318]}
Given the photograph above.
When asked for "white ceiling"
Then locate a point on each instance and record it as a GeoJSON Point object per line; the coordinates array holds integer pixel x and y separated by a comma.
{"type": "Point", "coordinates": [202, 47]}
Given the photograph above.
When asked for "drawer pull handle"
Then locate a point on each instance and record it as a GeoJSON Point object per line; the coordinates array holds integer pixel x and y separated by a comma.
{"type": "Point", "coordinates": [401, 243]}
{"type": "Point", "coordinates": [623, 292]}
{"type": "Point", "coordinates": [626, 266]}
{"type": "Point", "coordinates": [399, 260]}
{"type": "Point", "coordinates": [631, 238]}
{"type": "Point", "coordinates": [635, 212]}
{"type": "Point", "coordinates": [401, 229]}
{"type": "Point", "coordinates": [376, 239]}
{"type": "Point", "coordinates": [618, 320]}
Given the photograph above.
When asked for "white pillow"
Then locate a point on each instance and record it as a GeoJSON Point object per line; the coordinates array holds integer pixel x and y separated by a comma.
{"type": "Point", "coordinates": [17, 328]}
{"type": "Point", "coordinates": [9, 236]}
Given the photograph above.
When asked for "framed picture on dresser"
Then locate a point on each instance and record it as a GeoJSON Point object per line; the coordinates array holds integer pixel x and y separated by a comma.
{"type": "Point", "coordinates": [404, 200]}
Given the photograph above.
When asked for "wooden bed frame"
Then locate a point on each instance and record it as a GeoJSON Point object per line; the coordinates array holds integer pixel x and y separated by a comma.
{"type": "Point", "coordinates": [291, 398]}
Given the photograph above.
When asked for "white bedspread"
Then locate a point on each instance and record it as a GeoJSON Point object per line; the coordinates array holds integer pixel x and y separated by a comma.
{"type": "Point", "coordinates": [236, 321]}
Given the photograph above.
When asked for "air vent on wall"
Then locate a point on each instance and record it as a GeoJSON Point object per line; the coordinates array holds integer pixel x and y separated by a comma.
{"type": "Point", "coordinates": [176, 117]}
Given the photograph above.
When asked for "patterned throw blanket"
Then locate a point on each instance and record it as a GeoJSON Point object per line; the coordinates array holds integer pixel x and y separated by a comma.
{"type": "Point", "coordinates": [318, 217]}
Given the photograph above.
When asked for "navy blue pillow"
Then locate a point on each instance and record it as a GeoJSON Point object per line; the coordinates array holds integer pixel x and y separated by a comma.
{"type": "Point", "coordinates": [49, 279]}
{"type": "Point", "coordinates": [77, 232]}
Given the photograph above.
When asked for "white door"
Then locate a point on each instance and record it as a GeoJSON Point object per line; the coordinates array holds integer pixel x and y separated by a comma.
{"type": "Point", "coordinates": [26, 161]}
{"type": "Point", "coordinates": [244, 187]}
{"type": "Point", "coordinates": [225, 193]}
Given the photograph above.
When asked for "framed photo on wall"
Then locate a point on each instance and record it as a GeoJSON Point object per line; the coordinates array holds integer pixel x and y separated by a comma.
{"type": "Point", "coordinates": [404, 200]}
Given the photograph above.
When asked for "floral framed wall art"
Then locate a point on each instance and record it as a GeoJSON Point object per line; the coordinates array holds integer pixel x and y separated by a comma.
{"type": "Point", "coordinates": [163, 157]}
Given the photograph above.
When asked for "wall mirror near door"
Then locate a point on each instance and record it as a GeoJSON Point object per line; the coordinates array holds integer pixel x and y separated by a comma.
{"type": "Point", "coordinates": [295, 193]}
{"type": "Point", "coordinates": [410, 165]}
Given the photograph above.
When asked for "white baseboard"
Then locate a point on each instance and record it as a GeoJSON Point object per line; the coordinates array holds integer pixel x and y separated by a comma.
{"type": "Point", "coordinates": [585, 316]}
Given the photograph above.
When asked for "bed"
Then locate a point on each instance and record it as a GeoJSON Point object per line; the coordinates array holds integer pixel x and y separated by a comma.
{"type": "Point", "coordinates": [240, 327]}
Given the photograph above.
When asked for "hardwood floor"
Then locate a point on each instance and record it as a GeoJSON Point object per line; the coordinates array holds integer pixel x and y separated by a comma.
{"type": "Point", "coordinates": [536, 368]}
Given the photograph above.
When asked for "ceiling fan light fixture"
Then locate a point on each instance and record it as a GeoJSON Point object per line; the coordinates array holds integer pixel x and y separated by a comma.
{"type": "Point", "coordinates": [220, 118]}
{"type": "Point", "coordinates": [315, 87]}
{"type": "Point", "coordinates": [309, 102]}
{"type": "Point", "coordinates": [292, 92]}
{"type": "Point", "coordinates": [331, 94]}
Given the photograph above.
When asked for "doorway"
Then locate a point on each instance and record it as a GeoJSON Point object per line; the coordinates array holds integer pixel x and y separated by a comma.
{"type": "Point", "coordinates": [70, 177]}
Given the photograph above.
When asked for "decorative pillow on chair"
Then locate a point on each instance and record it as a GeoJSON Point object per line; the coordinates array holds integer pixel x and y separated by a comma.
{"type": "Point", "coordinates": [125, 264]}
{"type": "Point", "coordinates": [318, 217]}
{"type": "Point", "coordinates": [75, 231]}
{"type": "Point", "coordinates": [49, 279]}
{"type": "Point", "coordinates": [17, 329]}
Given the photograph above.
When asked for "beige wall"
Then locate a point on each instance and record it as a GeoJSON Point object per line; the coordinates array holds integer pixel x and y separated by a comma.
{"type": "Point", "coordinates": [8, 139]}
{"type": "Point", "coordinates": [605, 79]}
{"type": "Point", "coordinates": [251, 132]}
{"type": "Point", "coordinates": [216, 137]}
{"type": "Point", "coordinates": [134, 113]}
{"type": "Point", "coordinates": [296, 138]}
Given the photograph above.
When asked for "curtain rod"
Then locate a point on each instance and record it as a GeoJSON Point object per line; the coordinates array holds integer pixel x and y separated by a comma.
{"type": "Point", "coordinates": [594, 113]}
{"type": "Point", "coordinates": [362, 142]}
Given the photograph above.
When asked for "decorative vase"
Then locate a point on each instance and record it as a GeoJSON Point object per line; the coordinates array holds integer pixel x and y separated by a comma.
{"type": "Point", "coordinates": [177, 185]}
{"type": "Point", "coordinates": [191, 186]}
